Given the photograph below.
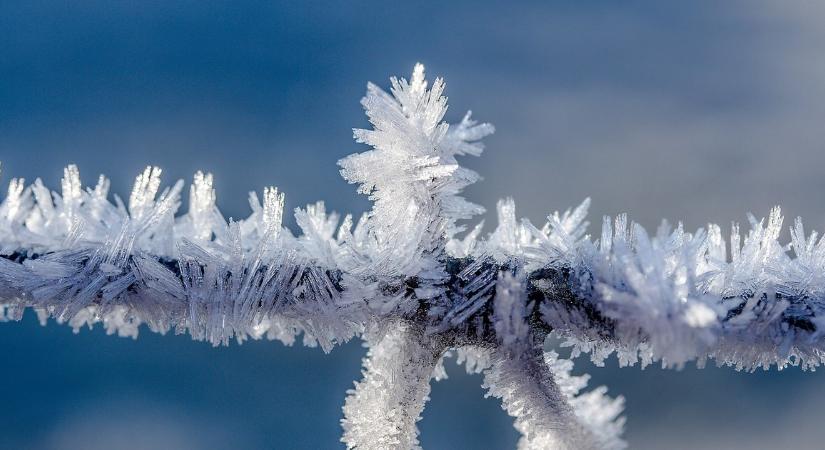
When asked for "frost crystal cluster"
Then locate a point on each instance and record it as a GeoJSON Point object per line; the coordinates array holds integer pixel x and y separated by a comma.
{"type": "Point", "coordinates": [414, 285]}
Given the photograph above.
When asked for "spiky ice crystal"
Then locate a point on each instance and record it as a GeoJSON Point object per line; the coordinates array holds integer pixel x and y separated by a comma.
{"type": "Point", "coordinates": [403, 280]}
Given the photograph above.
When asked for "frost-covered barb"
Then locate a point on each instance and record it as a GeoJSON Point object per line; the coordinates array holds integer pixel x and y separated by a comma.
{"type": "Point", "coordinates": [417, 288]}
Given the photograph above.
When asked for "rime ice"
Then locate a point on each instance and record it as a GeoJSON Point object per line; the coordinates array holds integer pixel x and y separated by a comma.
{"type": "Point", "coordinates": [407, 279]}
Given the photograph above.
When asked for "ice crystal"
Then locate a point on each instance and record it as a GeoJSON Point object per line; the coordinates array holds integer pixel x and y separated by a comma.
{"type": "Point", "coordinates": [404, 279]}
{"type": "Point", "coordinates": [382, 410]}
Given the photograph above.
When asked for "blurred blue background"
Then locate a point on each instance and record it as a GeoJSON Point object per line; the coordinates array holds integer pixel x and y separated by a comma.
{"type": "Point", "coordinates": [696, 112]}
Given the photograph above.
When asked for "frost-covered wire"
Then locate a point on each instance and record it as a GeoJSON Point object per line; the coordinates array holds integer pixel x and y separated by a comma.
{"type": "Point", "coordinates": [410, 280]}
{"type": "Point", "coordinates": [382, 410]}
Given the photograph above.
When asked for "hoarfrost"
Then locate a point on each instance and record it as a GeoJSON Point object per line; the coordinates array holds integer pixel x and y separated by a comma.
{"type": "Point", "coordinates": [404, 279]}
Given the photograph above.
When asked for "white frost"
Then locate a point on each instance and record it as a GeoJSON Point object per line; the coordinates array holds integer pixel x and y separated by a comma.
{"type": "Point", "coordinates": [404, 278]}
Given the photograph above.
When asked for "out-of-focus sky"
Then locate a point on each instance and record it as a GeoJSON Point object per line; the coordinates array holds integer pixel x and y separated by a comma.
{"type": "Point", "coordinates": [697, 112]}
